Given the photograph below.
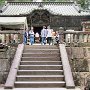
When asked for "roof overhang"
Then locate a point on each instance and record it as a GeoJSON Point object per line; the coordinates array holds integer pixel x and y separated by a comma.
{"type": "Point", "coordinates": [13, 21]}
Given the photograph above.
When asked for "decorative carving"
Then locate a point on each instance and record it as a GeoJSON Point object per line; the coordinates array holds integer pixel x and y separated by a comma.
{"type": "Point", "coordinates": [35, 18]}
{"type": "Point", "coordinates": [40, 17]}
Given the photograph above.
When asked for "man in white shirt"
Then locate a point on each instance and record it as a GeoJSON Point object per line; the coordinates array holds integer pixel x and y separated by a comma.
{"type": "Point", "coordinates": [44, 35]}
{"type": "Point", "coordinates": [49, 35]}
{"type": "Point", "coordinates": [31, 34]}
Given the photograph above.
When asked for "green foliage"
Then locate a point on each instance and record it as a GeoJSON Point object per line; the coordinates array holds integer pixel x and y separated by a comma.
{"type": "Point", "coordinates": [82, 2]}
{"type": "Point", "coordinates": [24, 0]}
{"type": "Point", "coordinates": [2, 2]}
{"type": "Point", "coordinates": [55, 0]}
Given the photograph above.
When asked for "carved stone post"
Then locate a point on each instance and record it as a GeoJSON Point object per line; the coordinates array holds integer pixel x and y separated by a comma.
{"type": "Point", "coordinates": [12, 35]}
{"type": "Point", "coordinates": [85, 37]}
{"type": "Point", "coordinates": [3, 38]}
{"type": "Point", "coordinates": [88, 37]}
{"type": "Point", "coordinates": [66, 38]}
{"type": "Point", "coordinates": [75, 37]}
{"type": "Point", "coordinates": [7, 38]}
{"type": "Point", "coordinates": [16, 38]}
{"type": "Point", "coordinates": [61, 35]}
{"type": "Point", "coordinates": [80, 38]}
{"type": "Point", "coordinates": [71, 38]}
{"type": "Point", "coordinates": [20, 36]}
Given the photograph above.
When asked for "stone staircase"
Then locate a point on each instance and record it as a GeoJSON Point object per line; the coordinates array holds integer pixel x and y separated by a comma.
{"type": "Point", "coordinates": [40, 67]}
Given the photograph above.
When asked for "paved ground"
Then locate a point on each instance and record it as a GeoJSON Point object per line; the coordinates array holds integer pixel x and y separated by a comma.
{"type": "Point", "coordinates": [46, 89]}
{"type": "Point", "coordinates": [40, 89]}
{"type": "Point", "coordinates": [1, 88]}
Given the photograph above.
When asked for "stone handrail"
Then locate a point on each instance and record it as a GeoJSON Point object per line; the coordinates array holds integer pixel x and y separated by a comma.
{"type": "Point", "coordinates": [13, 71]}
{"type": "Point", "coordinates": [74, 36]}
{"type": "Point", "coordinates": [66, 67]}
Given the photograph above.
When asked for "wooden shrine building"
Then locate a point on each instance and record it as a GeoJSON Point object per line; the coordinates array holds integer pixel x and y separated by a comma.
{"type": "Point", "coordinates": [56, 14]}
{"type": "Point", "coordinates": [68, 15]}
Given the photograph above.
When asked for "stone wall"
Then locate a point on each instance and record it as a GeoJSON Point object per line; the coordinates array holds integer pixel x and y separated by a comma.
{"type": "Point", "coordinates": [6, 57]}
{"type": "Point", "coordinates": [79, 58]}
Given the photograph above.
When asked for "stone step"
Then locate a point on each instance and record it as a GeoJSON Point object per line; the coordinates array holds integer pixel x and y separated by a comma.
{"type": "Point", "coordinates": [40, 62]}
{"type": "Point", "coordinates": [40, 55]}
{"type": "Point", "coordinates": [40, 78]}
{"type": "Point", "coordinates": [40, 67]}
{"type": "Point", "coordinates": [40, 72]}
{"type": "Point", "coordinates": [40, 58]}
{"type": "Point", "coordinates": [41, 47]}
{"type": "Point", "coordinates": [39, 84]}
{"type": "Point", "coordinates": [53, 51]}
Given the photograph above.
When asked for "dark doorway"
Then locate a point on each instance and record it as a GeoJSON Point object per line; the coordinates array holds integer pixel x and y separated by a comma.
{"type": "Point", "coordinates": [38, 29]}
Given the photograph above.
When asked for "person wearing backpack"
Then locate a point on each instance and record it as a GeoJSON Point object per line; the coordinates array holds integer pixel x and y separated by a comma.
{"type": "Point", "coordinates": [31, 34]}
{"type": "Point", "coordinates": [25, 37]}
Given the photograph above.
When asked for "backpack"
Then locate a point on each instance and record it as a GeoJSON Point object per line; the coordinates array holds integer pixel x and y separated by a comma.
{"type": "Point", "coordinates": [25, 34]}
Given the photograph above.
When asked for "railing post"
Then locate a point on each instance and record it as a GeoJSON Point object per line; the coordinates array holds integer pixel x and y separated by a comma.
{"type": "Point", "coordinates": [16, 38]}
{"type": "Point", "coordinates": [75, 38]}
{"type": "Point", "coordinates": [2, 38]}
{"type": "Point", "coordinates": [85, 37]}
{"type": "Point", "coordinates": [80, 38]}
{"type": "Point", "coordinates": [61, 35]}
{"type": "Point", "coordinates": [72, 38]}
{"type": "Point", "coordinates": [67, 38]}
{"type": "Point", "coordinates": [88, 37]}
{"type": "Point", "coordinates": [7, 38]}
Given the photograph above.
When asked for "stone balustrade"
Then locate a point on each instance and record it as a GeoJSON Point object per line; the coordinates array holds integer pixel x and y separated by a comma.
{"type": "Point", "coordinates": [11, 37]}
{"type": "Point", "coordinates": [75, 37]}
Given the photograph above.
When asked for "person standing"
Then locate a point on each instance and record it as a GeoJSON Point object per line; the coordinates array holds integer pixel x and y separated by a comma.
{"type": "Point", "coordinates": [25, 37]}
{"type": "Point", "coordinates": [49, 35]}
{"type": "Point", "coordinates": [53, 38]}
{"type": "Point", "coordinates": [57, 37]}
{"type": "Point", "coordinates": [44, 35]}
{"type": "Point", "coordinates": [31, 34]}
{"type": "Point", "coordinates": [37, 37]}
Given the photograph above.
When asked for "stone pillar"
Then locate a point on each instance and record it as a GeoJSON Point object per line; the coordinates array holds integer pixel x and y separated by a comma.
{"type": "Point", "coordinates": [85, 38]}
{"type": "Point", "coordinates": [0, 38]}
{"type": "Point", "coordinates": [7, 38]}
{"type": "Point", "coordinates": [81, 38]}
{"type": "Point", "coordinates": [71, 38]}
{"type": "Point", "coordinates": [75, 38]}
{"type": "Point", "coordinates": [61, 35]}
{"type": "Point", "coordinates": [16, 38]}
{"type": "Point", "coordinates": [3, 38]}
{"type": "Point", "coordinates": [88, 37]}
{"type": "Point", "coordinates": [68, 36]}
{"type": "Point", "coordinates": [12, 36]}
{"type": "Point", "coordinates": [20, 37]}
